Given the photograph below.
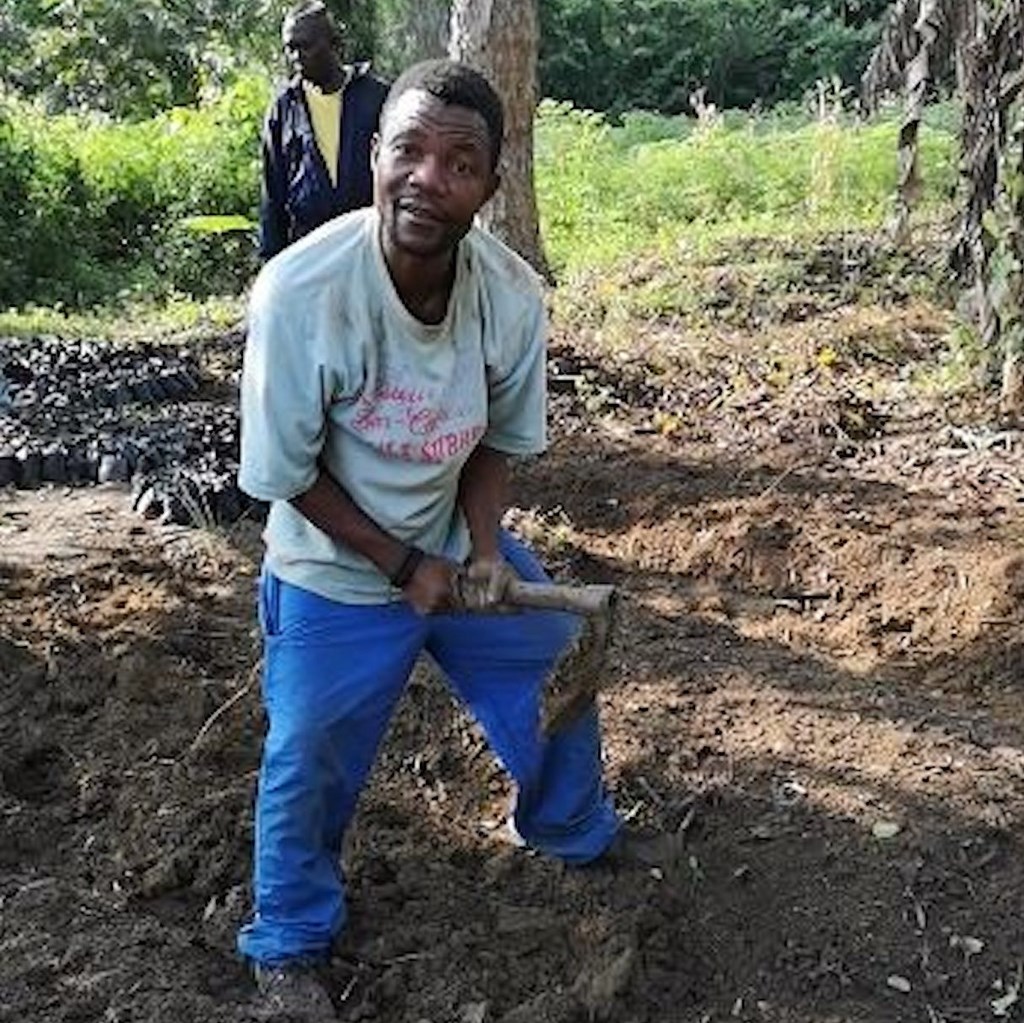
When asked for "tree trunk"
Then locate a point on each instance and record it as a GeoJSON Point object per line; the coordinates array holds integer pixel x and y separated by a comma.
{"type": "Point", "coordinates": [500, 38]}
{"type": "Point", "coordinates": [1013, 303]}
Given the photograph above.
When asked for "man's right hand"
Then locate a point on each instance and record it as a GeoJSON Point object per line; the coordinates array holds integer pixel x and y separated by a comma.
{"type": "Point", "coordinates": [433, 586]}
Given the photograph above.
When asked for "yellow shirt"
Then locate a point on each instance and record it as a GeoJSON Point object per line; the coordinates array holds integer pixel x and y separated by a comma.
{"type": "Point", "coordinates": [325, 114]}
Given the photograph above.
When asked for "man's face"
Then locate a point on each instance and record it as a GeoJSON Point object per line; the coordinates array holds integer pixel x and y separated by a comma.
{"type": "Point", "coordinates": [432, 173]}
{"type": "Point", "coordinates": [309, 45]}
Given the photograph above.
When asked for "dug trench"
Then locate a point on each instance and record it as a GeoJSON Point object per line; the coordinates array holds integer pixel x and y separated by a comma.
{"type": "Point", "coordinates": [815, 679]}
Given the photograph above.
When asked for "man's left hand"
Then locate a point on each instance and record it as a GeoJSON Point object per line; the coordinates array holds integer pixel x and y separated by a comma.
{"type": "Point", "coordinates": [483, 584]}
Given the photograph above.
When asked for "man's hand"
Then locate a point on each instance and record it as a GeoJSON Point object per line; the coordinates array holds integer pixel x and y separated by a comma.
{"type": "Point", "coordinates": [433, 586]}
{"type": "Point", "coordinates": [483, 584]}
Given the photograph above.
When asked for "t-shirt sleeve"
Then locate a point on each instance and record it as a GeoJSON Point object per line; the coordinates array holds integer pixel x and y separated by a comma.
{"type": "Point", "coordinates": [282, 411]}
{"type": "Point", "coordinates": [517, 391]}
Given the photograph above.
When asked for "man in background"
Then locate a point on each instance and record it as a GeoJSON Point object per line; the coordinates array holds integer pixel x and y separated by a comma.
{"type": "Point", "coordinates": [316, 139]}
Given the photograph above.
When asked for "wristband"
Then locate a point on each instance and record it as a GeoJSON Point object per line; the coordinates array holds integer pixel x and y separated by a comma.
{"type": "Point", "coordinates": [407, 569]}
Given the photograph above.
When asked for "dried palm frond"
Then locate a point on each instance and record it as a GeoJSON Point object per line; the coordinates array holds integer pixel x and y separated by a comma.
{"type": "Point", "coordinates": [984, 41]}
{"type": "Point", "coordinates": [919, 40]}
{"type": "Point", "coordinates": [897, 48]}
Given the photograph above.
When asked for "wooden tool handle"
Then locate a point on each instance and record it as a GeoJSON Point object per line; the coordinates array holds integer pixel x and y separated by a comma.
{"type": "Point", "coordinates": [584, 600]}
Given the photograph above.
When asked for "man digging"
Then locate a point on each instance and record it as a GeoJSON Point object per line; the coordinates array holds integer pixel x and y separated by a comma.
{"type": "Point", "coordinates": [395, 363]}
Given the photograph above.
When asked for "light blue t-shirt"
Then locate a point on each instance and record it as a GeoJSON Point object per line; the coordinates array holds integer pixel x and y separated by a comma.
{"type": "Point", "coordinates": [336, 369]}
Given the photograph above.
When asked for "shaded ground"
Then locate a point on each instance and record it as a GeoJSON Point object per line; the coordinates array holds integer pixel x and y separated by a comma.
{"type": "Point", "coordinates": [817, 678]}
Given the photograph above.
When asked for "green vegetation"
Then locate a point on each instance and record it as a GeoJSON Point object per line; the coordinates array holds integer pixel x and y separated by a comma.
{"type": "Point", "coordinates": [136, 59]}
{"type": "Point", "coordinates": [106, 211]}
{"type": "Point", "coordinates": [129, 139]}
{"type": "Point", "coordinates": [616, 55]}
{"type": "Point", "coordinates": [607, 197]}
{"type": "Point", "coordinates": [133, 318]}
{"type": "Point", "coordinates": [95, 209]}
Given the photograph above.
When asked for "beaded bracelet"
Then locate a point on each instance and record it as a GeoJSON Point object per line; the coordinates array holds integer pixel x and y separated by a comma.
{"type": "Point", "coordinates": [407, 569]}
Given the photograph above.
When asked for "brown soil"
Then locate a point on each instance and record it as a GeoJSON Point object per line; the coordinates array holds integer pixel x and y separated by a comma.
{"type": "Point", "coordinates": [817, 679]}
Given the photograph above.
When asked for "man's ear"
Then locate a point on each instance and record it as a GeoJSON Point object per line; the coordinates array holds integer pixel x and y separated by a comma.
{"type": "Point", "coordinates": [374, 150]}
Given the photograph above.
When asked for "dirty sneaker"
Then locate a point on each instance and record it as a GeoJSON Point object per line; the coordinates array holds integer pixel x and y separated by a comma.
{"type": "Point", "coordinates": [633, 847]}
{"type": "Point", "coordinates": [293, 993]}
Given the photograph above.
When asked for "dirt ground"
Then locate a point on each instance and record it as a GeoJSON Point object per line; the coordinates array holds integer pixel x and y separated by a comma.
{"type": "Point", "coordinates": [816, 679]}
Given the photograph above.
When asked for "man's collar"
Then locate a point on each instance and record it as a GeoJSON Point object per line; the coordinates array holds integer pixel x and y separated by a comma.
{"type": "Point", "coordinates": [348, 72]}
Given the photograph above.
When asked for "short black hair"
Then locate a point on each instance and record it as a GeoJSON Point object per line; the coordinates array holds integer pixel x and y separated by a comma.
{"type": "Point", "coordinates": [306, 9]}
{"type": "Point", "coordinates": [312, 9]}
{"type": "Point", "coordinates": [457, 85]}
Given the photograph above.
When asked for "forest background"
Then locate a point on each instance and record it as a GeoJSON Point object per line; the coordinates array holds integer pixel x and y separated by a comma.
{"type": "Point", "coordinates": [129, 131]}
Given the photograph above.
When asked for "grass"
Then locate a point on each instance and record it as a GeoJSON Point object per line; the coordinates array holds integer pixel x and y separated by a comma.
{"type": "Point", "coordinates": [129, 320]}
{"type": "Point", "coordinates": [673, 238]}
{"type": "Point", "coordinates": [630, 209]}
{"type": "Point", "coordinates": [609, 193]}
{"type": "Point", "coordinates": [771, 307]}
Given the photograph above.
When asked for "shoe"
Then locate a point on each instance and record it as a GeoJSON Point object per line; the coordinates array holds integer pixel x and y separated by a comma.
{"type": "Point", "coordinates": [292, 992]}
{"type": "Point", "coordinates": [646, 850]}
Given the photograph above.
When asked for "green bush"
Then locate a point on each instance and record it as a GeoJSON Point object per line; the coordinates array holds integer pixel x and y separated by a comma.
{"type": "Point", "coordinates": [16, 163]}
{"type": "Point", "coordinates": [199, 257]}
{"type": "Point", "coordinates": [146, 178]}
{"type": "Point", "coordinates": [95, 207]}
{"type": "Point", "coordinates": [45, 212]}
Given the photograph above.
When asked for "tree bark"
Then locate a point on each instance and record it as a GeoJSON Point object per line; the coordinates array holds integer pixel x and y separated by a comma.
{"type": "Point", "coordinates": [500, 38]}
{"type": "Point", "coordinates": [1013, 300]}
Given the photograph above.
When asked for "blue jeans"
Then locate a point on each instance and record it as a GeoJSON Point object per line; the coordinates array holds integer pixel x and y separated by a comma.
{"type": "Point", "coordinates": [332, 676]}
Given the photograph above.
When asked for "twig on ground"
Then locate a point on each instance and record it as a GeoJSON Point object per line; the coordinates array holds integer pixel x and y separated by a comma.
{"type": "Point", "coordinates": [978, 440]}
{"type": "Point", "coordinates": [687, 822]}
{"type": "Point", "coordinates": [652, 793]}
{"type": "Point", "coordinates": [633, 811]}
{"type": "Point", "coordinates": [237, 697]}
{"type": "Point", "coordinates": [408, 957]}
{"type": "Point", "coordinates": [782, 477]}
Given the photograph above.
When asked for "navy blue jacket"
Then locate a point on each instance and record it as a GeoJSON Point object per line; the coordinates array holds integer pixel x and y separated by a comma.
{"type": "Point", "coordinates": [297, 192]}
